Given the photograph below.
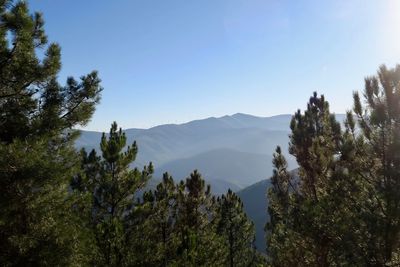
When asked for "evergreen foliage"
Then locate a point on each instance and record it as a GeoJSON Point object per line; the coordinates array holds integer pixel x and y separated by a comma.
{"type": "Point", "coordinates": [111, 186]}
{"type": "Point", "coordinates": [186, 226]}
{"type": "Point", "coordinates": [237, 231]}
{"type": "Point", "coordinates": [343, 208]}
{"type": "Point", "coordinates": [312, 216]}
{"type": "Point", "coordinates": [37, 157]}
{"type": "Point", "coordinates": [198, 243]}
{"type": "Point", "coordinates": [175, 225]}
{"type": "Point", "coordinates": [60, 207]}
{"type": "Point", "coordinates": [159, 224]}
{"type": "Point", "coordinates": [377, 157]}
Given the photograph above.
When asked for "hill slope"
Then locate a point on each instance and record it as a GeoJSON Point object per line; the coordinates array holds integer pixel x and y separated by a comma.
{"type": "Point", "coordinates": [231, 151]}
{"type": "Point", "coordinates": [206, 145]}
{"type": "Point", "coordinates": [255, 204]}
{"type": "Point", "coordinates": [225, 165]}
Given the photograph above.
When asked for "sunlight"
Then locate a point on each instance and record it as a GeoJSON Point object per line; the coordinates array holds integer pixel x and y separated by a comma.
{"type": "Point", "coordinates": [390, 27]}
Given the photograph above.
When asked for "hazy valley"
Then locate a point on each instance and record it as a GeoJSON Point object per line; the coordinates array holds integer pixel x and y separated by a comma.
{"type": "Point", "coordinates": [230, 152]}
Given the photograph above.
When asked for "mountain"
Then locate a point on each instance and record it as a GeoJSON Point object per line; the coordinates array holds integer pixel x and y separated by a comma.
{"type": "Point", "coordinates": [255, 204]}
{"type": "Point", "coordinates": [224, 165]}
{"type": "Point", "coordinates": [165, 143]}
{"type": "Point", "coordinates": [231, 151]}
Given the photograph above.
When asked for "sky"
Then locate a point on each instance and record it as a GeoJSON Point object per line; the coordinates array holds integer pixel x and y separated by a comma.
{"type": "Point", "coordinates": [179, 60]}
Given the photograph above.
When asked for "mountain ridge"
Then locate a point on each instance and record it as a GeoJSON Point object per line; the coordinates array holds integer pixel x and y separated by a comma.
{"type": "Point", "coordinates": [238, 133]}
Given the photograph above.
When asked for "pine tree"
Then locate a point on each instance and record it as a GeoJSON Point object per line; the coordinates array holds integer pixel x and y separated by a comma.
{"type": "Point", "coordinates": [37, 157]}
{"type": "Point", "coordinates": [158, 227]}
{"type": "Point", "coordinates": [112, 186]}
{"type": "Point", "coordinates": [377, 149]}
{"type": "Point", "coordinates": [315, 142]}
{"type": "Point", "coordinates": [311, 214]}
{"type": "Point", "coordinates": [198, 244]}
{"type": "Point", "coordinates": [165, 197]}
{"type": "Point", "coordinates": [285, 247]}
{"type": "Point", "coordinates": [236, 230]}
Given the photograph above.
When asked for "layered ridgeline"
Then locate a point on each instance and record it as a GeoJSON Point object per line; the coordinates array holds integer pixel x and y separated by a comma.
{"type": "Point", "coordinates": [231, 151]}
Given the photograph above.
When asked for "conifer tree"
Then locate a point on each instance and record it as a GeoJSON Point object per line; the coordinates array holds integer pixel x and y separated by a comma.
{"type": "Point", "coordinates": [236, 230]}
{"type": "Point", "coordinates": [308, 215]}
{"type": "Point", "coordinates": [378, 165]}
{"type": "Point", "coordinates": [182, 225]}
{"type": "Point", "coordinates": [111, 185]}
{"type": "Point", "coordinates": [37, 157]}
{"type": "Point", "coordinates": [166, 201]}
{"type": "Point", "coordinates": [285, 247]}
{"type": "Point", "coordinates": [199, 245]}
{"type": "Point", "coordinates": [315, 142]}
{"type": "Point", "coordinates": [157, 230]}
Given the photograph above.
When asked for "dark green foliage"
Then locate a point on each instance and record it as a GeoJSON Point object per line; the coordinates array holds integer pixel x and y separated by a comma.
{"type": "Point", "coordinates": [198, 244]}
{"type": "Point", "coordinates": [32, 102]}
{"type": "Point", "coordinates": [237, 231]}
{"type": "Point", "coordinates": [376, 151]}
{"type": "Point", "coordinates": [175, 225]}
{"type": "Point", "coordinates": [343, 210]}
{"type": "Point", "coordinates": [156, 226]}
{"type": "Point", "coordinates": [342, 207]}
{"type": "Point", "coordinates": [111, 186]}
{"type": "Point", "coordinates": [308, 214]}
{"type": "Point", "coordinates": [284, 245]}
{"type": "Point", "coordinates": [37, 157]}
{"type": "Point", "coordinates": [183, 225]}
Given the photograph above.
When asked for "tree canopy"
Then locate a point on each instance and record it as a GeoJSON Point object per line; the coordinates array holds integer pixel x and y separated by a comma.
{"type": "Point", "coordinates": [342, 208]}
{"type": "Point", "coordinates": [63, 207]}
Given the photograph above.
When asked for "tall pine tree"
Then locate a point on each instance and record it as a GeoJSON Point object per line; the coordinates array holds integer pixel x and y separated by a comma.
{"type": "Point", "coordinates": [158, 225]}
{"type": "Point", "coordinates": [37, 156]}
{"type": "Point", "coordinates": [112, 185]}
{"type": "Point", "coordinates": [377, 149]}
{"type": "Point", "coordinates": [285, 247]}
{"type": "Point", "coordinates": [236, 230]}
{"type": "Point", "coordinates": [309, 212]}
{"type": "Point", "coordinates": [198, 244]}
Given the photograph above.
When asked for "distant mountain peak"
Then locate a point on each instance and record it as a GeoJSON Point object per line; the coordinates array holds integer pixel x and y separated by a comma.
{"type": "Point", "coordinates": [239, 114]}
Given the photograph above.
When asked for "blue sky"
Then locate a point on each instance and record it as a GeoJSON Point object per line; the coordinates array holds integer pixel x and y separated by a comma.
{"type": "Point", "coordinates": [178, 60]}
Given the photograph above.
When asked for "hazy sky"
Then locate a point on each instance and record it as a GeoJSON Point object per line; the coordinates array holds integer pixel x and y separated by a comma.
{"type": "Point", "coordinates": [171, 61]}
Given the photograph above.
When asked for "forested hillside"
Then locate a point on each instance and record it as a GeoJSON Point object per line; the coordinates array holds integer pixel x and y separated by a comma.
{"type": "Point", "coordinates": [141, 197]}
{"type": "Point", "coordinates": [63, 207]}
